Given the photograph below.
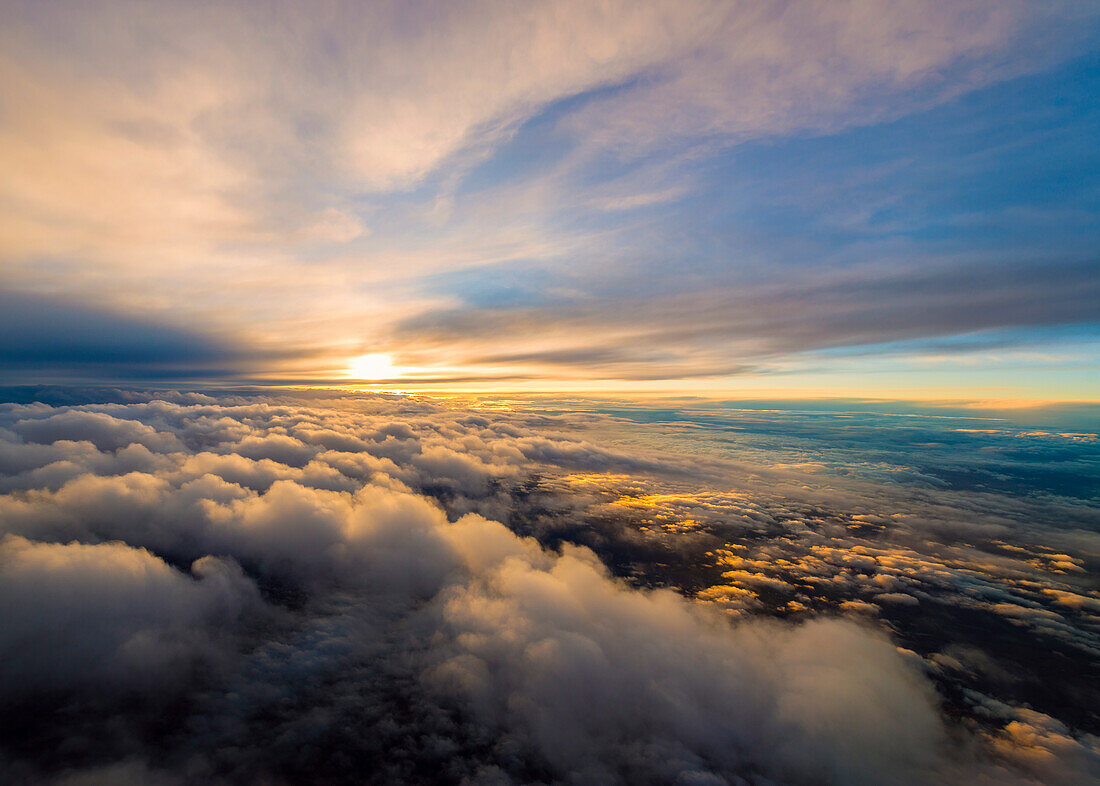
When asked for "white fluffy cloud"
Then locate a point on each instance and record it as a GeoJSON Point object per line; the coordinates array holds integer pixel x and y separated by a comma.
{"type": "Point", "coordinates": [612, 683]}
{"type": "Point", "coordinates": [338, 600]}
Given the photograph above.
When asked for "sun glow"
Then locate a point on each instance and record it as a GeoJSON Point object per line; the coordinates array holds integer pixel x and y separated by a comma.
{"type": "Point", "coordinates": [377, 365]}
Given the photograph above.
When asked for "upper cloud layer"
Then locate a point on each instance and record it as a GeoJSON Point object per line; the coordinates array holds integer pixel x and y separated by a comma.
{"type": "Point", "coordinates": [293, 178]}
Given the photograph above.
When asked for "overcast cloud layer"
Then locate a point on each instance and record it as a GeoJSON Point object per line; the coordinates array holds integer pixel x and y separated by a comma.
{"type": "Point", "coordinates": [378, 589]}
{"type": "Point", "coordinates": [562, 191]}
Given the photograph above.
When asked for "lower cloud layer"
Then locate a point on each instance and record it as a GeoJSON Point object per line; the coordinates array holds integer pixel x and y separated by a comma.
{"type": "Point", "coordinates": [264, 591]}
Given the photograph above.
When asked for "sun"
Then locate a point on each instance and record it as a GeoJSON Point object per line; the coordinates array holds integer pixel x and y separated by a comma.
{"type": "Point", "coordinates": [376, 365]}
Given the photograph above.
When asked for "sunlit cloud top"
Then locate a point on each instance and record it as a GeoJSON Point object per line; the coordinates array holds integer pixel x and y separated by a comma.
{"type": "Point", "coordinates": [810, 197]}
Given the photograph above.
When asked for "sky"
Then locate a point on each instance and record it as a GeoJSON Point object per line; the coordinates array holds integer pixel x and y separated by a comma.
{"type": "Point", "coordinates": [794, 198]}
{"type": "Point", "coordinates": [500, 392]}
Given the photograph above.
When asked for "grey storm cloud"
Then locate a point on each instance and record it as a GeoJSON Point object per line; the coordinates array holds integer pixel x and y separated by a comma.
{"type": "Point", "coordinates": [41, 334]}
{"type": "Point", "coordinates": [50, 338]}
{"type": "Point", "coordinates": [333, 590]}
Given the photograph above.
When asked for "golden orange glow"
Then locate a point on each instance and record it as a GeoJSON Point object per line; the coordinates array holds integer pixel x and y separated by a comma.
{"type": "Point", "coordinates": [376, 365]}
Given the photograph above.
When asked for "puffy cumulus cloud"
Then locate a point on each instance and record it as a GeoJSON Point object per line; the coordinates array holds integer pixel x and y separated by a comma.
{"type": "Point", "coordinates": [109, 616]}
{"type": "Point", "coordinates": [381, 538]}
{"type": "Point", "coordinates": [275, 447]}
{"type": "Point", "coordinates": [1039, 744]}
{"type": "Point", "coordinates": [362, 588]}
{"type": "Point", "coordinates": [614, 684]}
{"type": "Point", "coordinates": [102, 430]}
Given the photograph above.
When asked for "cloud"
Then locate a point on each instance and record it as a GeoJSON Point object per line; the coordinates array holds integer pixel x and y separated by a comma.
{"type": "Point", "coordinates": [108, 617]}
{"type": "Point", "coordinates": [279, 448]}
{"type": "Point", "coordinates": [738, 328]}
{"type": "Point", "coordinates": [46, 337]}
{"type": "Point", "coordinates": [105, 432]}
{"type": "Point", "coordinates": [610, 683]}
{"type": "Point", "coordinates": [302, 629]}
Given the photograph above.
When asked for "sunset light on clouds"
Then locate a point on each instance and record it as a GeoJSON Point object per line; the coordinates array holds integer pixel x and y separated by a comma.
{"type": "Point", "coordinates": [677, 196]}
{"type": "Point", "coordinates": [552, 392]}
